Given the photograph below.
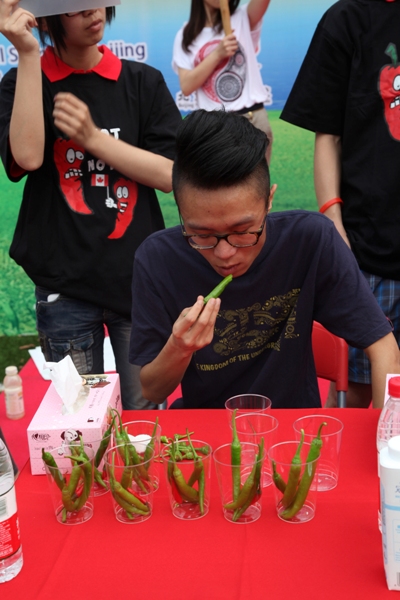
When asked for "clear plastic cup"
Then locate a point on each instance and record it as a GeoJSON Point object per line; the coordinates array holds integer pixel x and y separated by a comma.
{"type": "Point", "coordinates": [298, 507]}
{"type": "Point", "coordinates": [249, 510]}
{"type": "Point", "coordinates": [195, 503]}
{"type": "Point", "coordinates": [131, 485]}
{"type": "Point", "coordinates": [331, 435]}
{"type": "Point", "coordinates": [71, 484]}
{"type": "Point", "coordinates": [140, 434]}
{"type": "Point", "coordinates": [251, 427]}
{"type": "Point", "coordinates": [247, 403]}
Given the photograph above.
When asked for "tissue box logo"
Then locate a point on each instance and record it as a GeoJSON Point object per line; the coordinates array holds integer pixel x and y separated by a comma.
{"type": "Point", "coordinates": [96, 381]}
{"type": "Point", "coordinates": [43, 437]}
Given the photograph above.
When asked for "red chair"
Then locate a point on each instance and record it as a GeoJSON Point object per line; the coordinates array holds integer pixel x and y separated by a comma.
{"type": "Point", "coordinates": [331, 360]}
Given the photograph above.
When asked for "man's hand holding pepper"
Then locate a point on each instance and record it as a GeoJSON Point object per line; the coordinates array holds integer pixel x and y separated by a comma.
{"type": "Point", "coordinates": [194, 327]}
{"type": "Point", "coordinates": [193, 330]}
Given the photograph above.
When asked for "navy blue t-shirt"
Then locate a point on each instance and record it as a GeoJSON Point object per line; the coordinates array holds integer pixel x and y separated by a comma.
{"type": "Point", "coordinates": [262, 340]}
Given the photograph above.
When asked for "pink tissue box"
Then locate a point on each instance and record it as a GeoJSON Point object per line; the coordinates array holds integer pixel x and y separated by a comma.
{"type": "Point", "coordinates": [50, 428]}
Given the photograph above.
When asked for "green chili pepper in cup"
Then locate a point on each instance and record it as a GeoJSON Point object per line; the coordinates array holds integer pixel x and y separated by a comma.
{"type": "Point", "coordinates": [251, 485]}
{"type": "Point", "coordinates": [307, 477]}
{"type": "Point", "coordinates": [294, 476]}
{"type": "Point", "coordinates": [105, 440]}
{"type": "Point", "coordinates": [186, 491]}
{"type": "Point", "coordinates": [49, 460]}
{"type": "Point", "coordinates": [198, 475]}
{"type": "Point", "coordinates": [217, 291]}
{"type": "Point", "coordinates": [255, 489]}
{"type": "Point", "coordinates": [278, 479]}
{"type": "Point", "coordinates": [236, 452]}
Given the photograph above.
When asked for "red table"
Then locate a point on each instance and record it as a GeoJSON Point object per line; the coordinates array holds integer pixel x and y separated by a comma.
{"type": "Point", "coordinates": [336, 555]}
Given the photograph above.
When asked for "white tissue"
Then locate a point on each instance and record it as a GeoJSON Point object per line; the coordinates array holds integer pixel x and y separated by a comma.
{"type": "Point", "coordinates": [140, 441]}
{"type": "Point", "coordinates": [67, 381]}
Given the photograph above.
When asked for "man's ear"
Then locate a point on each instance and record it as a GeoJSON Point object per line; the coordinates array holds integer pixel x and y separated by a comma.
{"type": "Point", "coordinates": [271, 196]}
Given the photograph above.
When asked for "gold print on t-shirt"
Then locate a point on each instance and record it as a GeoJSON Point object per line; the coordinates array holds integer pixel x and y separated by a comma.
{"type": "Point", "coordinates": [253, 329]}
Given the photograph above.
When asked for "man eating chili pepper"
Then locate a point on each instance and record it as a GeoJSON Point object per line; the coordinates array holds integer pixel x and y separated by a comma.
{"type": "Point", "coordinates": [288, 269]}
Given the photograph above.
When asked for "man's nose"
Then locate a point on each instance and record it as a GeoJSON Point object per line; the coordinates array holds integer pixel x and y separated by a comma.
{"type": "Point", "coordinates": [224, 250]}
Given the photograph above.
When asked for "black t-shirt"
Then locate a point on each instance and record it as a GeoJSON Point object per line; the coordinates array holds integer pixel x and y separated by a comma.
{"type": "Point", "coordinates": [80, 221]}
{"type": "Point", "coordinates": [348, 85]}
{"type": "Point", "coordinates": [262, 341]}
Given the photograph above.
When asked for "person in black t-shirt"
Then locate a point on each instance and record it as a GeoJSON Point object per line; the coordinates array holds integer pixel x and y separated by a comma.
{"type": "Point", "coordinates": [347, 91]}
{"type": "Point", "coordinates": [94, 135]}
{"type": "Point", "coordinates": [288, 269]}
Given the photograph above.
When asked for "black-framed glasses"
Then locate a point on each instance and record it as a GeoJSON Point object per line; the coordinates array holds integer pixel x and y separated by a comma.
{"type": "Point", "coordinates": [205, 241]}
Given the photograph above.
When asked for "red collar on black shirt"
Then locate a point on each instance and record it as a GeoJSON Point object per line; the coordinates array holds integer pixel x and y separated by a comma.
{"type": "Point", "coordinates": [55, 69]}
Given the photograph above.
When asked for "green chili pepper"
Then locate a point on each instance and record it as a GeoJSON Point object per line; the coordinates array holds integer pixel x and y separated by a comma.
{"type": "Point", "coordinates": [175, 491]}
{"type": "Point", "coordinates": [87, 471]}
{"type": "Point", "coordinates": [294, 476]}
{"type": "Point", "coordinates": [246, 490]}
{"type": "Point", "coordinates": [54, 470]}
{"type": "Point", "coordinates": [122, 439]}
{"type": "Point", "coordinates": [128, 501]}
{"type": "Point", "coordinates": [127, 473]}
{"type": "Point", "coordinates": [277, 478]}
{"type": "Point", "coordinates": [99, 478]}
{"type": "Point", "coordinates": [307, 478]}
{"type": "Point", "coordinates": [68, 490]}
{"type": "Point", "coordinates": [186, 491]}
{"type": "Point", "coordinates": [217, 291]}
{"type": "Point", "coordinates": [256, 487]}
{"type": "Point", "coordinates": [129, 497]}
{"type": "Point", "coordinates": [236, 452]}
{"type": "Point", "coordinates": [198, 475]}
{"type": "Point", "coordinates": [181, 436]}
{"type": "Point", "coordinates": [85, 466]}
{"type": "Point", "coordinates": [105, 440]}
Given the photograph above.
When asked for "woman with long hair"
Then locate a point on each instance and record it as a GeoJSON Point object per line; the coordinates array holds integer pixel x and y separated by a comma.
{"type": "Point", "coordinates": [223, 69]}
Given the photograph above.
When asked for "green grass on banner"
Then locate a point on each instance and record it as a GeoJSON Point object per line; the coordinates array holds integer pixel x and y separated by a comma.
{"type": "Point", "coordinates": [291, 169]}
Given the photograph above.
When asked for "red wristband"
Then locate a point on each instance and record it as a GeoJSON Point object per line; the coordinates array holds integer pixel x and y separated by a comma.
{"type": "Point", "coordinates": [330, 203]}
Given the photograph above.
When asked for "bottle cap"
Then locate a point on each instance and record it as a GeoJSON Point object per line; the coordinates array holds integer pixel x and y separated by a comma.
{"type": "Point", "coordinates": [394, 387]}
{"type": "Point", "coordinates": [394, 447]}
{"type": "Point", "coordinates": [14, 371]}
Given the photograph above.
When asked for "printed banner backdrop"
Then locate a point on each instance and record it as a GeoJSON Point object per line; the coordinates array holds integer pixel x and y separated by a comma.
{"type": "Point", "coordinates": [144, 30]}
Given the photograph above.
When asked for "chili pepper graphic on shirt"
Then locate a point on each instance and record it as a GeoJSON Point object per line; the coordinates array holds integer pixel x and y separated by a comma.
{"type": "Point", "coordinates": [389, 89]}
{"type": "Point", "coordinates": [69, 159]}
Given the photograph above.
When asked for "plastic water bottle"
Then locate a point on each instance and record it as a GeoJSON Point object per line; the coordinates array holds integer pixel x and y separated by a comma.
{"type": "Point", "coordinates": [389, 422]}
{"type": "Point", "coordinates": [15, 408]}
{"type": "Point", "coordinates": [389, 461]}
{"type": "Point", "coordinates": [10, 542]}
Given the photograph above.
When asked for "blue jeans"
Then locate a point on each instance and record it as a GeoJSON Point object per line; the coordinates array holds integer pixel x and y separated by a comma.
{"type": "Point", "coordinates": [69, 326]}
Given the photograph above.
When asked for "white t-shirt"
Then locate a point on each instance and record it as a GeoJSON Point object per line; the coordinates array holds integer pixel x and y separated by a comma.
{"type": "Point", "coordinates": [236, 83]}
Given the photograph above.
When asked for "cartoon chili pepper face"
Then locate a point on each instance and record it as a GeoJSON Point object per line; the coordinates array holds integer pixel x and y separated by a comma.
{"type": "Point", "coordinates": [125, 192]}
{"type": "Point", "coordinates": [389, 89]}
{"type": "Point", "coordinates": [68, 158]}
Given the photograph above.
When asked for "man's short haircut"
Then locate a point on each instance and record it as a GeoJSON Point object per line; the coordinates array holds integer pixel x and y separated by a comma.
{"type": "Point", "coordinates": [216, 149]}
{"type": "Point", "coordinates": [51, 29]}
